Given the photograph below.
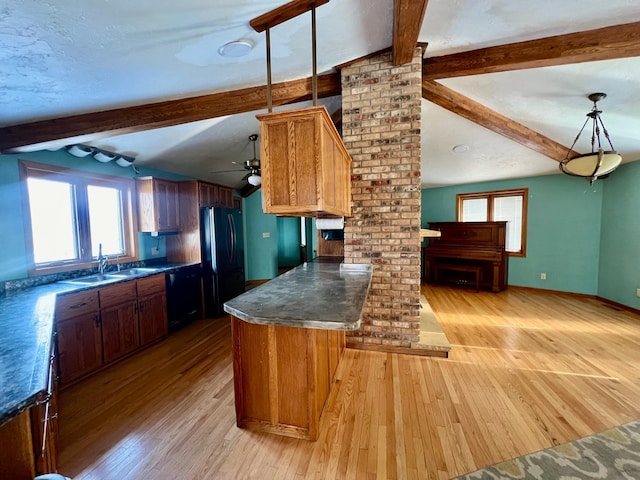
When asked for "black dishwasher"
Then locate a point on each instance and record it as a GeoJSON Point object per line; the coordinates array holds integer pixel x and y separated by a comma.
{"type": "Point", "coordinates": [184, 296]}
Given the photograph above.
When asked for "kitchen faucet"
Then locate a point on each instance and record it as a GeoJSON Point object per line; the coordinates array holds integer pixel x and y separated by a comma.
{"type": "Point", "coordinates": [102, 260]}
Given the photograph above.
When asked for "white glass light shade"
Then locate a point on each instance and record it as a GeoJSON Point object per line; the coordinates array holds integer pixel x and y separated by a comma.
{"type": "Point", "coordinates": [254, 180]}
{"type": "Point", "coordinates": [104, 157]}
{"type": "Point", "coordinates": [124, 162]}
{"type": "Point", "coordinates": [80, 150]}
{"type": "Point", "coordinates": [584, 165]}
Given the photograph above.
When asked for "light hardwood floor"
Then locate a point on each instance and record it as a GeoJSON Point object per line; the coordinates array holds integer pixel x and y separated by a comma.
{"type": "Point", "coordinates": [527, 370]}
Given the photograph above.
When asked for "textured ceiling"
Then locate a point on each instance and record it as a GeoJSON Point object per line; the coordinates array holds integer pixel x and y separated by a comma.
{"type": "Point", "coordinates": [63, 57]}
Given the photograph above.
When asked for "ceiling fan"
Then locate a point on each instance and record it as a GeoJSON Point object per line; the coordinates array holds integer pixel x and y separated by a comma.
{"type": "Point", "coordinates": [253, 166]}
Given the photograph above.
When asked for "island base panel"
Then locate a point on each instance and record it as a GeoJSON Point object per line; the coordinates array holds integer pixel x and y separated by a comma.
{"type": "Point", "coordinates": [283, 376]}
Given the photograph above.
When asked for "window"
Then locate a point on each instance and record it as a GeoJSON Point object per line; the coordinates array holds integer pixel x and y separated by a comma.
{"type": "Point", "coordinates": [69, 214]}
{"type": "Point", "coordinates": [502, 205]}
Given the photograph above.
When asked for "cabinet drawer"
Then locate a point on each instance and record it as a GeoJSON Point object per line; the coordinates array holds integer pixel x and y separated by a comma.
{"type": "Point", "coordinates": [151, 285]}
{"type": "Point", "coordinates": [117, 294]}
{"type": "Point", "coordinates": [74, 304]}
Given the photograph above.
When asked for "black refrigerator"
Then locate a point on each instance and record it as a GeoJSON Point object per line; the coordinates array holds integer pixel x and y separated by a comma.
{"type": "Point", "coordinates": [222, 257]}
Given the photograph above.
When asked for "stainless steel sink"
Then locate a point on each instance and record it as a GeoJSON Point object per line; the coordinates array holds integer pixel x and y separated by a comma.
{"type": "Point", "coordinates": [131, 272]}
{"type": "Point", "coordinates": [91, 279]}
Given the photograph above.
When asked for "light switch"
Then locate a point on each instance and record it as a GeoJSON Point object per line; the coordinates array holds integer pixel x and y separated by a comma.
{"type": "Point", "coordinates": [266, 234]}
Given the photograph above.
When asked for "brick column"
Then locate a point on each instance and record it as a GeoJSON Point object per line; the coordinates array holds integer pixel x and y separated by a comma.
{"type": "Point", "coordinates": [381, 130]}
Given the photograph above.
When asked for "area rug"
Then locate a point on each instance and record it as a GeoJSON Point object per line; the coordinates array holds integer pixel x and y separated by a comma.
{"type": "Point", "coordinates": [613, 454]}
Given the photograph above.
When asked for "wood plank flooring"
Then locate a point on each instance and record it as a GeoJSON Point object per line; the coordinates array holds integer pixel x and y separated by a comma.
{"type": "Point", "coordinates": [527, 370]}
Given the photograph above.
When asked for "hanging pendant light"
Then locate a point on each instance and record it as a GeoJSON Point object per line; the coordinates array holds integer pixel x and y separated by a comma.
{"type": "Point", "coordinates": [599, 162]}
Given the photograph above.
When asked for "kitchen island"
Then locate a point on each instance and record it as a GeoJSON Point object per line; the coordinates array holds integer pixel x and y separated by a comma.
{"type": "Point", "coordinates": [288, 339]}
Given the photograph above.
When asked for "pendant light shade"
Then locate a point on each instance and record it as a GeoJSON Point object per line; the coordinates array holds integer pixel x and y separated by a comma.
{"type": "Point", "coordinates": [599, 162]}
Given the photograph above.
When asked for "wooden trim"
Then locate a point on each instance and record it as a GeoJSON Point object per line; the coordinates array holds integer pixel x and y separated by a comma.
{"type": "Point", "coordinates": [422, 352]}
{"type": "Point", "coordinates": [481, 115]}
{"type": "Point", "coordinates": [621, 306]}
{"type": "Point", "coordinates": [407, 20]}
{"type": "Point", "coordinates": [91, 126]}
{"type": "Point", "coordinates": [79, 178]}
{"type": "Point", "coordinates": [523, 192]}
{"type": "Point", "coordinates": [618, 41]}
{"type": "Point", "coordinates": [284, 13]}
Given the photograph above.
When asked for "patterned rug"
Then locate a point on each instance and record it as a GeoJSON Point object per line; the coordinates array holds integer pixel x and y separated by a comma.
{"type": "Point", "coordinates": [613, 454]}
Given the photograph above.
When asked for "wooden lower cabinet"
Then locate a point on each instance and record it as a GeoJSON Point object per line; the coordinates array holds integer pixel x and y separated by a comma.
{"type": "Point", "coordinates": [283, 376]}
{"type": "Point", "coordinates": [29, 440]}
{"type": "Point", "coordinates": [152, 309]}
{"type": "Point", "coordinates": [79, 335]}
{"type": "Point", "coordinates": [103, 325]}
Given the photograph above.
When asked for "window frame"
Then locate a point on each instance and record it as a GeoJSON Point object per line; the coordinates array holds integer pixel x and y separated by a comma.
{"type": "Point", "coordinates": [516, 192]}
{"type": "Point", "coordinates": [80, 180]}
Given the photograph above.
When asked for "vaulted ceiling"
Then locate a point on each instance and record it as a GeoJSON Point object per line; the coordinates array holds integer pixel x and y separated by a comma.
{"type": "Point", "coordinates": [507, 79]}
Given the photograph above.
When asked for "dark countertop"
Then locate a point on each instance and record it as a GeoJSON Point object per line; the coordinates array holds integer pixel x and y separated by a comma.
{"type": "Point", "coordinates": [321, 295]}
{"type": "Point", "coordinates": [26, 327]}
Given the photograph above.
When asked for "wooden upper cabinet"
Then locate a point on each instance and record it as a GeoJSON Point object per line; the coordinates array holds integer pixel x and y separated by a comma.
{"type": "Point", "coordinates": [158, 204]}
{"type": "Point", "coordinates": [212, 195]}
{"type": "Point", "coordinates": [306, 170]}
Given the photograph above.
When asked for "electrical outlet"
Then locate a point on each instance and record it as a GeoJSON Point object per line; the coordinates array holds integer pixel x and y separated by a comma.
{"type": "Point", "coordinates": [266, 234]}
{"type": "Point", "coordinates": [638, 292]}
{"type": "Point", "coordinates": [155, 251]}
{"type": "Point", "coordinates": [543, 276]}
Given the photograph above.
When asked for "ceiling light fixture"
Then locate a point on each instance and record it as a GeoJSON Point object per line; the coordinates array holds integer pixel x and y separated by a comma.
{"type": "Point", "coordinates": [254, 179]}
{"type": "Point", "coordinates": [237, 48]}
{"type": "Point", "coordinates": [599, 162]}
{"type": "Point", "coordinates": [462, 148]}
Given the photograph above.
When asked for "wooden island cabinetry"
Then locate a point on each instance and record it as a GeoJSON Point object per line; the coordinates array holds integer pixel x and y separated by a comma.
{"type": "Point", "coordinates": [300, 364]}
{"type": "Point", "coordinates": [306, 170]}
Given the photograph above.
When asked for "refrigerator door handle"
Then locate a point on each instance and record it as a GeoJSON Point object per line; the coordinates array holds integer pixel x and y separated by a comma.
{"type": "Point", "coordinates": [232, 239]}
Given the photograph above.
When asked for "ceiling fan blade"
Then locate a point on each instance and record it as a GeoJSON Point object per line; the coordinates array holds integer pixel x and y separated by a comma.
{"type": "Point", "coordinates": [226, 171]}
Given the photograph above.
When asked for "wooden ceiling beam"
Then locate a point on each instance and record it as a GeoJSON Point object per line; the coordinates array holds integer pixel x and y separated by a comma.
{"type": "Point", "coordinates": [619, 41]}
{"type": "Point", "coordinates": [91, 126]}
{"type": "Point", "coordinates": [481, 115]}
{"type": "Point", "coordinates": [283, 13]}
{"type": "Point", "coordinates": [407, 21]}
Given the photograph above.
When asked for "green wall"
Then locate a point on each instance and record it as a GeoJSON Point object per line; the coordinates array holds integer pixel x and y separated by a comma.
{"type": "Point", "coordinates": [563, 234]}
{"type": "Point", "coordinates": [261, 253]}
{"type": "Point", "coordinates": [620, 236]}
{"type": "Point", "coordinates": [288, 241]}
{"type": "Point", "coordinates": [13, 258]}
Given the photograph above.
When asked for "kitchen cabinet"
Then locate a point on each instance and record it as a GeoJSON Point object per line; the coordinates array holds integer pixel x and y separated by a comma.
{"type": "Point", "coordinates": [29, 440]}
{"type": "Point", "coordinates": [119, 313]}
{"type": "Point", "coordinates": [79, 335]}
{"type": "Point", "coordinates": [100, 326]}
{"type": "Point", "coordinates": [306, 170]}
{"type": "Point", "coordinates": [152, 309]}
{"type": "Point", "coordinates": [283, 376]}
{"type": "Point", "coordinates": [212, 195]}
{"type": "Point", "coordinates": [158, 205]}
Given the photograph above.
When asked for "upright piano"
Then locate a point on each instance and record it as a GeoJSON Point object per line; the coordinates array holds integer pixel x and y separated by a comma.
{"type": "Point", "coordinates": [478, 246]}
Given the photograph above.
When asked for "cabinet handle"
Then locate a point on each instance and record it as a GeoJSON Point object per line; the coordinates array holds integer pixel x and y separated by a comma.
{"type": "Point", "coordinates": [78, 305]}
{"type": "Point", "coordinates": [98, 320]}
{"type": "Point", "coordinates": [136, 307]}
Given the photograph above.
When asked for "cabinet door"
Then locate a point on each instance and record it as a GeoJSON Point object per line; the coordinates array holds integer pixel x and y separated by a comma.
{"type": "Point", "coordinates": [152, 317]}
{"type": "Point", "coordinates": [79, 346]}
{"type": "Point", "coordinates": [225, 197]}
{"type": "Point", "coordinates": [119, 330]}
{"type": "Point", "coordinates": [166, 198]}
{"type": "Point", "coordinates": [207, 194]}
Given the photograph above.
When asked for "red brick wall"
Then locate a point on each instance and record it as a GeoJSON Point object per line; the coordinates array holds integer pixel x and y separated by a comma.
{"type": "Point", "coordinates": [381, 130]}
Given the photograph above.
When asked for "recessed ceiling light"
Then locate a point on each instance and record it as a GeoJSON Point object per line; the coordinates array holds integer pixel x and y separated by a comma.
{"type": "Point", "coordinates": [237, 48]}
{"type": "Point", "coordinates": [461, 148]}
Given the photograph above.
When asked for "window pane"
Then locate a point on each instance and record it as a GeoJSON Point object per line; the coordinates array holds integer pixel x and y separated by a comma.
{"type": "Point", "coordinates": [510, 209]}
{"type": "Point", "coordinates": [474, 210]}
{"type": "Point", "coordinates": [53, 225]}
{"type": "Point", "coordinates": [105, 220]}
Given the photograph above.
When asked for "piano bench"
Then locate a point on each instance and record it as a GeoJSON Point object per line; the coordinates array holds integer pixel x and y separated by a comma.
{"type": "Point", "coordinates": [453, 267]}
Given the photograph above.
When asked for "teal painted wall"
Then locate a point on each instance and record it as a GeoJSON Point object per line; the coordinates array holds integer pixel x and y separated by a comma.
{"type": "Point", "coordinates": [564, 224]}
{"type": "Point", "coordinates": [288, 241]}
{"type": "Point", "coordinates": [261, 254]}
{"type": "Point", "coordinates": [13, 258]}
{"type": "Point", "coordinates": [620, 236]}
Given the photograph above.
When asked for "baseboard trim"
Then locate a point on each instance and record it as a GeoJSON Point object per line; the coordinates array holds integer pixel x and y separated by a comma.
{"type": "Point", "coordinates": [621, 306]}
{"type": "Point", "coordinates": [423, 352]}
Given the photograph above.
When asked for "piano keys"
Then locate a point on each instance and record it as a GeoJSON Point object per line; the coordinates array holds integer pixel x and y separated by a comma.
{"type": "Point", "coordinates": [473, 244]}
